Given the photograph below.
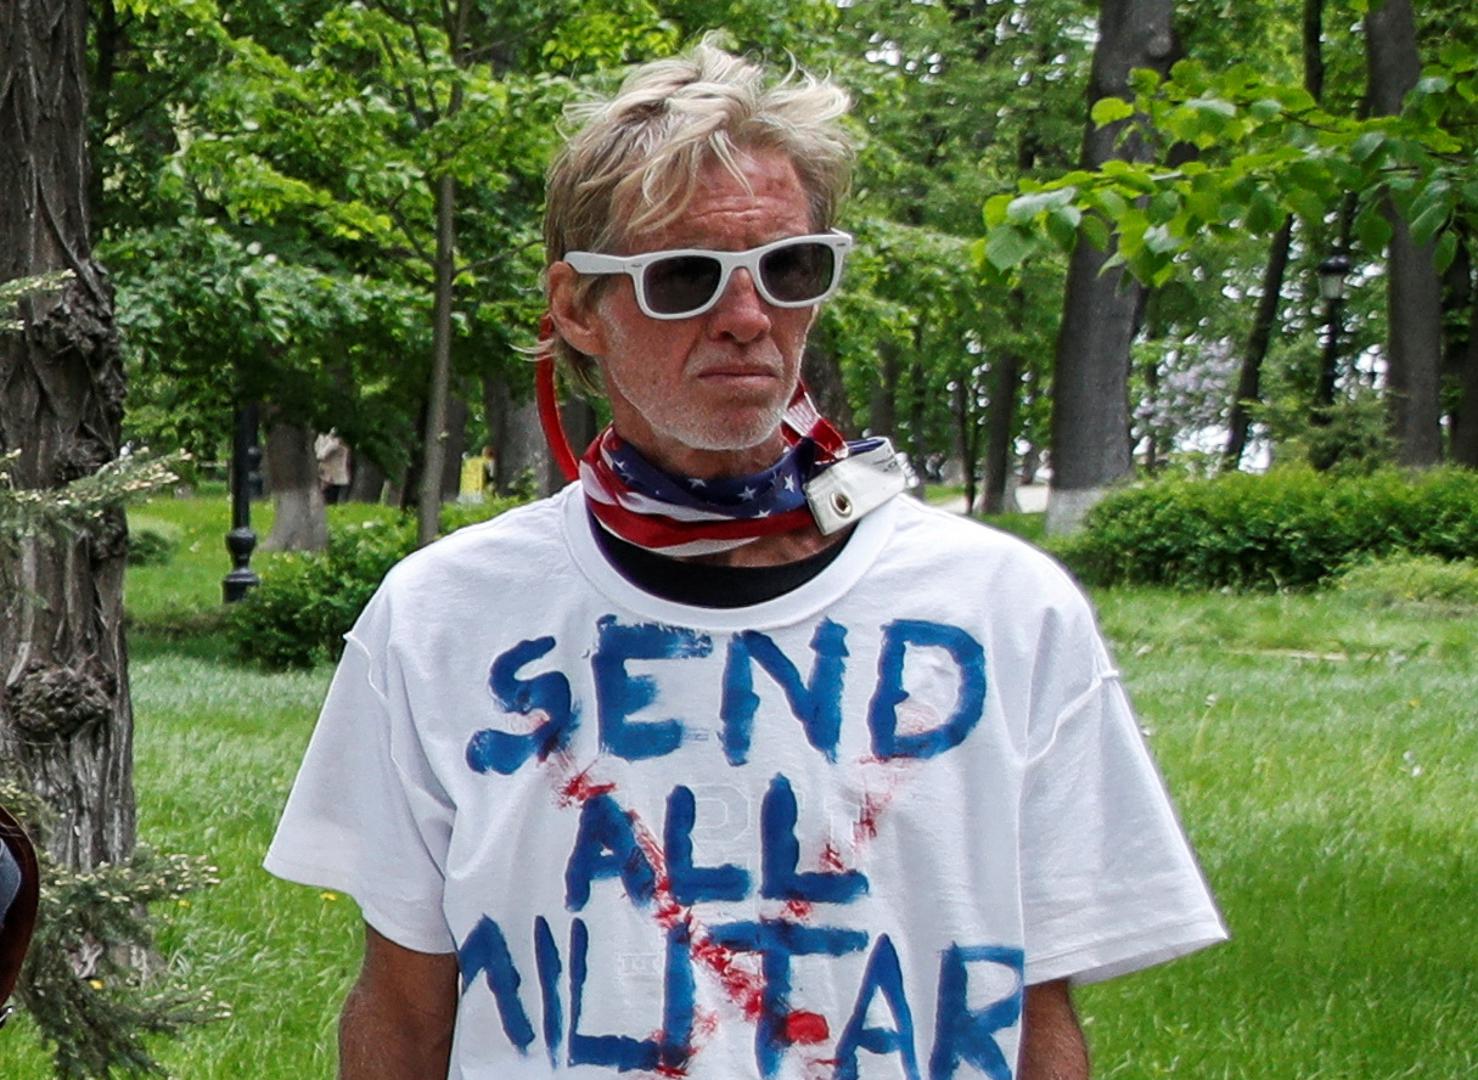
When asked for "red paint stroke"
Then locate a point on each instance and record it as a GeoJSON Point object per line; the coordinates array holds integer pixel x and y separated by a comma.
{"type": "Point", "coordinates": [745, 988]}
{"type": "Point", "coordinates": [705, 1023]}
{"type": "Point", "coordinates": [831, 858]}
{"type": "Point", "coordinates": [805, 1028]}
{"type": "Point", "coordinates": [664, 1069]}
{"type": "Point", "coordinates": [580, 789]}
{"type": "Point", "coordinates": [866, 826]}
{"type": "Point", "coordinates": [669, 912]}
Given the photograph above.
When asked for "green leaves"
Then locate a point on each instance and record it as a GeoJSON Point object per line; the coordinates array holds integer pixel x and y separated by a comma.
{"type": "Point", "coordinates": [1263, 150]}
{"type": "Point", "coordinates": [1008, 246]}
{"type": "Point", "coordinates": [1110, 110]}
{"type": "Point", "coordinates": [1372, 229]}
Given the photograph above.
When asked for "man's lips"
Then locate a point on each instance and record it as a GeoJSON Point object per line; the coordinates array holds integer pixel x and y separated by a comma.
{"type": "Point", "coordinates": [739, 373]}
{"type": "Point", "coordinates": [737, 369]}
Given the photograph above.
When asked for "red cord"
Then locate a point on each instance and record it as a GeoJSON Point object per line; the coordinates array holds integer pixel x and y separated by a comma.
{"type": "Point", "coordinates": [549, 419]}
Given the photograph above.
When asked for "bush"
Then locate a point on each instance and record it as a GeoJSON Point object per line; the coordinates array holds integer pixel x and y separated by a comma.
{"type": "Point", "coordinates": [1411, 580]}
{"type": "Point", "coordinates": [151, 543]}
{"type": "Point", "coordinates": [1291, 528]}
{"type": "Point", "coordinates": [299, 614]}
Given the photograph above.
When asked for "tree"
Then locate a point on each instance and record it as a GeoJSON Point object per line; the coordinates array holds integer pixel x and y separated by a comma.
{"type": "Point", "coordinates": [66, 721]}
{"type": "Point", "coordinates": [1090, 417]}
{"type": "Point", "coordinates": [66, 724]}
{"type": "Point", "coordinates": [1414, 291]}
{"type": "Point", "coordinates": [1249, 380]}
{"type": "Point", "coordinates": [1264, 148]}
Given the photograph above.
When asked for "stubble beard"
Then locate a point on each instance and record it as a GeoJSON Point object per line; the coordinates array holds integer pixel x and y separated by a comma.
{"type": "Point", "coordinates": [731, 429]}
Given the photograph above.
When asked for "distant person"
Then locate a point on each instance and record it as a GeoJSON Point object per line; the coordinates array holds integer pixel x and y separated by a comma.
{"type": "Point", "coordinates": [489, 469]}
{"type": "Point", "coordinates": [728, 761]}
{"type": "Point", "coordinates": [333, 466]}
{"type": "Point", "coordinates": [472, 480]}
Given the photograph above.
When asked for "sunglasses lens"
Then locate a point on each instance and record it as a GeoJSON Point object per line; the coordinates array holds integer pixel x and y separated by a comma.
{"type": "Point", "coordinates": [682, 283]}
{"type": "Point", "coordinates": [798, 273]}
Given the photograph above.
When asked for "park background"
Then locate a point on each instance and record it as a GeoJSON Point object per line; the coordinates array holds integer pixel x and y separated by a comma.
{"type": "Point", "coordinates": [1204, 270]}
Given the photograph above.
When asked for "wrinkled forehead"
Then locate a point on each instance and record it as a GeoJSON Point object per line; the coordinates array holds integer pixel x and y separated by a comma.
{"type": "Point", "coordinates": [761, 182]}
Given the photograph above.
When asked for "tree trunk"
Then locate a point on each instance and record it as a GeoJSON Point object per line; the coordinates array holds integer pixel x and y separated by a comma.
{"type": "Point", "coordinates": [1090, 399]}
{"type": "Point", "coordinates": [882, 409]}
{"type": "Point", "coordinates": [1000, 427]}
{"type": "Point", "coordinates": [822, 371]}
{"type": "Point", "coordinates": [1151, 432]}
{"type": "Point", "coordinates": [1249, 379]}
{"type": "Point", "coordinates": [299, 522]}
{"type": "Point", "coordinates": [520, 454]}
{"type": "Point", "coordinates": [1006, 371]}
{"type": "Point", "coordinates": [66, 723]}
{"type": "Point", "coordinates": [433, 449]}
{"type": "Point", "coordinates": [523, 453]}
{"type": "Point", "coordinates": [967, 435]}
{"type": "Point", "coordinates": [1465, 426]}
{"type": "Point", "coordinates": [367, 483]}
{"type": "Point", "coordinates": [578, 417]}
{"type": "Point", "coordinates": [455, 447]}
{"type": "Point", "coordinates": [918, 440]}
{"type": "Point", "coordinates": [1413, 290]}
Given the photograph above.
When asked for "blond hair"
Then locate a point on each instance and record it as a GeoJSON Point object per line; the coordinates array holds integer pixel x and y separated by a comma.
{"type": "Point", "coordinates": [634, 164]}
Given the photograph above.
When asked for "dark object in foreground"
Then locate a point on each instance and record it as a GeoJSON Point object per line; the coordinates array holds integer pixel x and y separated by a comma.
{"type": "Point", "coordinates": [19, 887]}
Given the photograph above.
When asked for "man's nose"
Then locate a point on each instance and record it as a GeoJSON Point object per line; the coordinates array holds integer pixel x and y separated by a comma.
{"type": "Point", "coordinates": [741, 312]}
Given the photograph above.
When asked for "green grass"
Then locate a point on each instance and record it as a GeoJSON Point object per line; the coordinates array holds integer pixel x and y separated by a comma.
{"type": "Point", "coordinates": [1321, 750]}
{"type": "Point", "coordinates": [1322, 757]}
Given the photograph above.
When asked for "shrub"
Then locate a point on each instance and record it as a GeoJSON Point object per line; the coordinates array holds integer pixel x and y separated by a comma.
{"type": "Point", "coordinates": [150, 542]}
{"type": "Point", "coordinates": [1413, 579]}
{"type": "Point", "coordinates": [300, 612]}
{"type": "Point", "coordinates": [1291, 528]}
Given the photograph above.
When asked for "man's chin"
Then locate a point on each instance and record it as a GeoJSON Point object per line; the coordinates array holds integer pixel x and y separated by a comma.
{"type": "Point", "coordinates": [738, 437]}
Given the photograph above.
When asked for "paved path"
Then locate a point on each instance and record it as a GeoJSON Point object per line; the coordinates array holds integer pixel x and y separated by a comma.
{"type": "Point", "coordinates": [1031, 500]}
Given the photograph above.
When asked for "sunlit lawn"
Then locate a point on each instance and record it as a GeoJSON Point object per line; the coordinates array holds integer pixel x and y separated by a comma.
{"type": "Point", "coordinates": [1322, 756]}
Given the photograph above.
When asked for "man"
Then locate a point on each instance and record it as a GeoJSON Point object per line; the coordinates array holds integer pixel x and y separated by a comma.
{"type": "Point", "coordinates": [726, 762]}
{"type": "Point", "coordinates": [332, 453]}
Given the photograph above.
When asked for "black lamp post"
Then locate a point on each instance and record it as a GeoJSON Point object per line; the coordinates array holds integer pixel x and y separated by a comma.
{"type": "Point", "coordinates": [240, 541]}
{"type": "Point", "coordinates": [1333, 273]}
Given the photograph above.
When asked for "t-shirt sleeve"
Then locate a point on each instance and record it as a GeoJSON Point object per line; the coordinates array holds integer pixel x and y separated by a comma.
{"type": "Point", "coordinates": [1109, 882]}
{"type": "Point", "coordinates": [367, 816]}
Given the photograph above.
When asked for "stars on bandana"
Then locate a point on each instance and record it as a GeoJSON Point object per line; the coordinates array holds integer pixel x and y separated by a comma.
{"type": "Point", "coordinates": [690, 515]}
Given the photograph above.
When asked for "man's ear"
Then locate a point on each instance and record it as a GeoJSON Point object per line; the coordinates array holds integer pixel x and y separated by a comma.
{"type": "Point", "coordinates": [579, 324]}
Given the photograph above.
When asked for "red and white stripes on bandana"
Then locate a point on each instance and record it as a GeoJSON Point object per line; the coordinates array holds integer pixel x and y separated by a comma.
{"type": "Point", "coordinates": [821, 479]}
{"type": "Point", "coordinates": [679, 516]}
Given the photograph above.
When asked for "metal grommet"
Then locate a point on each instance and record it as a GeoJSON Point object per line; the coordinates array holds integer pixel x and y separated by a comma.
{"type": "Point", "coordinates": [841, 504]}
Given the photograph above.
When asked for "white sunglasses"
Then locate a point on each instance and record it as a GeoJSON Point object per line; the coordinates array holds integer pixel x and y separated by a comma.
{"type": "Point", "coordinates": [795, 272]}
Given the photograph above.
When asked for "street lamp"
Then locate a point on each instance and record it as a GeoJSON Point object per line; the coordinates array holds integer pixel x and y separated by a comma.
{"type": "Point", "coordinates": [240, 541]}
{"type": "Point", "coordinates": [1333, 273]}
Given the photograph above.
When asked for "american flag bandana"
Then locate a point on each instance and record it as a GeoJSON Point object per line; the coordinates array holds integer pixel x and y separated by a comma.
{"type": "Point", "coordinates": [682, 516]}
{"type": "Point", "coordinates": [821, 479]}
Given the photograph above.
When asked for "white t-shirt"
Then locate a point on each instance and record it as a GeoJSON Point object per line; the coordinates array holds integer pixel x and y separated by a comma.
{"type": "Point", "coordinates": [831, 834]}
